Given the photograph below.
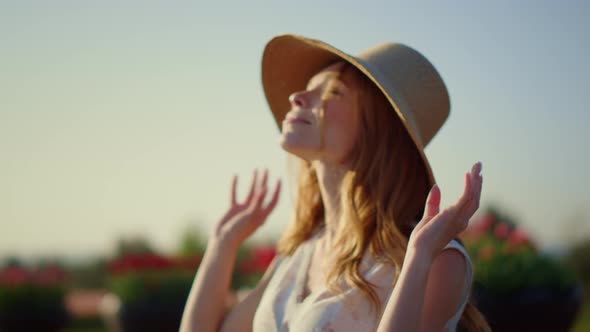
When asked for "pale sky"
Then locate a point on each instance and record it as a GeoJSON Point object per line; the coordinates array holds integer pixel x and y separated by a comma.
{"type": "Point", "coordinates": [122, 119]}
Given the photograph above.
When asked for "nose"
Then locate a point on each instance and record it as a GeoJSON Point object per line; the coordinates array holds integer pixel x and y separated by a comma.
{"type": "Point", "coordinates": [297, 99]}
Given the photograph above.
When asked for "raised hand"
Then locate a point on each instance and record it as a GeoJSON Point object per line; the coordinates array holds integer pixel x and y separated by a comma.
{"type": "Point", "coordinates": [437, 229]}
{"type": "Point", "coordinates": [243, 218]}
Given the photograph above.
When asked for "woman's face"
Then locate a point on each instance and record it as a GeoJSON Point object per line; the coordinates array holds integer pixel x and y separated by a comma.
{"type": "Point", "coordinates": [302, 133]}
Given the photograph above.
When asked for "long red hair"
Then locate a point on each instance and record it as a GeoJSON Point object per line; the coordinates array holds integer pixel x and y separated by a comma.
{"type": "Point", "coordinates": [383, 197]}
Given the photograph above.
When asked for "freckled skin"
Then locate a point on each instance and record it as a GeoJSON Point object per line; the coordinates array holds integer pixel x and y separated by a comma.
{"type": "Point", "coordinates": [329, 103]}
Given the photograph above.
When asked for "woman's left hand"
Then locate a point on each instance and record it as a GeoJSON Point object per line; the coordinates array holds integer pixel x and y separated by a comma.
{"type": "Point", "coordinates": [437, 229]}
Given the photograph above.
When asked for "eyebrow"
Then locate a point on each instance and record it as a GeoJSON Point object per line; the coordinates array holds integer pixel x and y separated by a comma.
{"type": "Point", "coordinates": [326, 78]}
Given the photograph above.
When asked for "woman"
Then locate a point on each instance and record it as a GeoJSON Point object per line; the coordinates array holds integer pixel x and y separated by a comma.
{"type": "Point", "coordinates": [369, 247]}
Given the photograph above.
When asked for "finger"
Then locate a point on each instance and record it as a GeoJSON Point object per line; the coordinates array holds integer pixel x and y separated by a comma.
{"type": "Point", "coordinates": [480, 179]}
{"type": "Point", "coordinates": [475, 174]}
{"type": "Point", "coordinates": [466, 191]}
{"type": "Point", "coordinates": [233, 189]}
{"type": "Point", "coordinates": [476, 183]}
{"type": "Point", "coordinates": [480, 186]}
{"type": "Point", "coordinates": [273, 202]}
{"type": "Point", "coordinates": [476, 169]}
{"type": "Point", "coordinates": [476, 191]}
{"type": "Point", "coordinates": [432, 203]}
{"type": "Point", "coordinates": [252, 188]}
{"type": "Point", "coordinates": [471, 207]}
{"type": "Point", "coordinates": [264, 179]}
{"type": "Point", "coordinates": [259, 199]}
{"type": "Point", "coordinates": [468, 207]}
{"type": "Point", "coordinates": [477, 199]}
{"type": "Point", "coordinates": [462, 204]}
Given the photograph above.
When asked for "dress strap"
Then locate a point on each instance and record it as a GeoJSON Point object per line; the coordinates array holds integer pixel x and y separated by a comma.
{"type": "Point", "coordinates": [454, 244]}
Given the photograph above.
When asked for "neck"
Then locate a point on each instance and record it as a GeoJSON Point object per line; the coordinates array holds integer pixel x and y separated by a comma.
{"type": "Point", "coordinates": [329, 179]}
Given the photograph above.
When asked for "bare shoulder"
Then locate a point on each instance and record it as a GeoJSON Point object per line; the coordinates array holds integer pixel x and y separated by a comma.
{"type": "Point", "coordinates": [445, 288]}
{"type": "Point", "coordinates": [452, 265]}
{"type": "Point", "coordinates": [451, 262]}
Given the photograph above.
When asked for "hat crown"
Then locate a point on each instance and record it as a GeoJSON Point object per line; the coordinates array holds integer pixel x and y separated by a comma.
{"type": "Point", "coordinates": [414, 85]}
{"type": "Point", "coordinates": [407, 79]}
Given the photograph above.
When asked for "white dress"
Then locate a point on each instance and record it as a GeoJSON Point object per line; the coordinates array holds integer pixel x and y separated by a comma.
{"type": "Point", "coordinates": [282, 307]}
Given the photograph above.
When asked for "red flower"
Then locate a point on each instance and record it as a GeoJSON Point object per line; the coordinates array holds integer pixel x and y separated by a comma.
{"type": "Point", "coordinates": [14, 276]}
{"type": "Point", "coordinates": [264, 255]}
{"type": "Point", "coordinates": [260, 259]}
{"type": "Point", "coordinates": [140, 262]}
{"type": "Point", "coordinates": [155, 262]}
{"type": "Point", "coordinates": [50, 275]}
{"type": "Point", "coordinates": [190, 262]}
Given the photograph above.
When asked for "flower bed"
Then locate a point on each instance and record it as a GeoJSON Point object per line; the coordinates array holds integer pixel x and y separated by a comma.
{"type": "Point", "coordinates": [152, 290]}
{"type": "Point", "coordinates": [514, 283]}
{"type": "Point", "coordinates": [251, 265]}
{"type": "Point", "coordinates": [32, 299]}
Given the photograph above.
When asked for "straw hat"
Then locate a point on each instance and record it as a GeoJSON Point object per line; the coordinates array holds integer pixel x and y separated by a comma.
{"type": "Point", "coordinates": [410, 82]}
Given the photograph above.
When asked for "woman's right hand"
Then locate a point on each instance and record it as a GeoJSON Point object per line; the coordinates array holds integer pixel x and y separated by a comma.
{"type": "Point", "coordinates": [243, 218]}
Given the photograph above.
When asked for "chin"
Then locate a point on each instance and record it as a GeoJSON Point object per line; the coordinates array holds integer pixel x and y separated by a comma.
{"type": "Point", "coordinates": [297, 148]}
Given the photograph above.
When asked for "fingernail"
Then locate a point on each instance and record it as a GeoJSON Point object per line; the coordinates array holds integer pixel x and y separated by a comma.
{"type": "Point", "coordinates": [477, 167]}
{"type": "Point", "coordinates": [432, 189]}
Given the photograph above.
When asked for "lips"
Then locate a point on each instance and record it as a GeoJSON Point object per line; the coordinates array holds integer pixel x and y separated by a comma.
{"type": "Point", "coordinates": [294, 119]}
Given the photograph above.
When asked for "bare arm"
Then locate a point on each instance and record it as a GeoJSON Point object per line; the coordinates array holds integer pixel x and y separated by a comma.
{"type": "Point", "coordinates": [405, 309]}
{"type": "Point", "coordinates": [205, 307]}
{"type": "Point", "coordinates": [444, 290]}
{"type": "Point", "coordinates": [242, 314]}
{"type": "Point", "coordinates": [426, 294]}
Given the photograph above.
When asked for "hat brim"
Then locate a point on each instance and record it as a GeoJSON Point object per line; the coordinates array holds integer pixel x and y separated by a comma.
{"type": "Point", "coordinates": [289, 61]}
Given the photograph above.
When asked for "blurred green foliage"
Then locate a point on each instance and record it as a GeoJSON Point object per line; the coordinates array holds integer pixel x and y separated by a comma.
{"type": "Point", "coordinates": [578, 258]}
{"type": "Point", "coordinates": [160, 286]}
{"type": "Point", "coordinates": [506, 260]}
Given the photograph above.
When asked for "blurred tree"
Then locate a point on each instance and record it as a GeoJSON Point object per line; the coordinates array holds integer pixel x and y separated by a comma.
{"type": "Point", "coordinates": [92, 273]}
{"type": "Point", "coordinates": [133, 245]}
{"type": "Point", "coordinates": [576, 238]}
{"type": "Point", "coordinates": [192, 242]}
{"type": "Point", "coordinates": [11, 261]}
{"type": "Point", "coordinates": [578, 258]}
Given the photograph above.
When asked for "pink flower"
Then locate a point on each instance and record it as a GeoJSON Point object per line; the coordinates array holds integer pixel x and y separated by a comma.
{"type": "Point", "coordinates": [502, 230]}
{"type": "Point", "coordinates": [480, 227]}
{"type": "Point", "coordinates": [518, 237]}
{"type": "Point", "coordinates": [485, 223]}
